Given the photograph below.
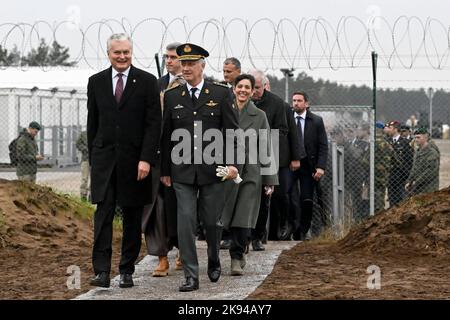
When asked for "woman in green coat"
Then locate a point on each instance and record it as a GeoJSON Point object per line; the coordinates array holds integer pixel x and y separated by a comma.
{"type": "Point", "coordinates": [243, 200]}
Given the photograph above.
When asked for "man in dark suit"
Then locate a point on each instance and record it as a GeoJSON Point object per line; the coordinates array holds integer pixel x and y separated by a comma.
{"type": "Point", "coordinates": [123, 129]}
{"type": "Point", "coordinates": [401, 163]}
{"type": "Point", "coordinates": [313, 149]}
{"type": "Point", "coordinates": [189, 111]}
{"type": "Point", "coordinates": [173, 66]}
{"type": "Point", "coordinates": [289, 161]}
{"type": "Point", "coordinates": [275, 111]}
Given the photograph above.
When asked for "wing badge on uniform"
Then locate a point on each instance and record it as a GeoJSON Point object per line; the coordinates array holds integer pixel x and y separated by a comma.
{"type": "Point", "coordinates": [212, 103]}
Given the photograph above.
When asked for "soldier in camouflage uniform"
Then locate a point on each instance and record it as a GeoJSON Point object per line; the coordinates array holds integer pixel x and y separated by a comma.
{"type": "Point", "coordinates": [383, 153]}
{"type": "Point", "coordinates": [424, 176]}
{"type": "Point", "coordinates": [27, 153]}
{"type": "Point", "coordinates": [85, 170]}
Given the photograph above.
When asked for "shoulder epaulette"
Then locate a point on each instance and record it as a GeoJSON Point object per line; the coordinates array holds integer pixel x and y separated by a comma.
{"type": "Point", "coordinates": [169, 89]}
{"type": "Point", "coordinates": [220, 84]}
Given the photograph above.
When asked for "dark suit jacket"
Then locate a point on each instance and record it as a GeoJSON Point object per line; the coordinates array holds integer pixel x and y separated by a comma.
{"type": "Point", "coordinates": [316, 142]}
{"type": "Point", "coordinates": [289, 149]}
{"type": "Point", "coordinates": [121, 135]}
{"type": "Point", "coordinates": [215, 111]}
{"type": "Point", "coordinates": [274, 107]}
{"type": "Point", "coordinates": [163, 82]}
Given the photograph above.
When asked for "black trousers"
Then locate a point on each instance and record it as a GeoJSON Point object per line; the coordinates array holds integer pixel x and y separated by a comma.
{"type": "Point", "coordinates": [103, 232]}
{"type": "Point", "coordinates": [239, 240]}
{"type": "Point", "coordinates": [307, 188]}
{"type": "Point", "coordinates": [260, 229]}
{"type": "Point", "coordinates": [280, 204]}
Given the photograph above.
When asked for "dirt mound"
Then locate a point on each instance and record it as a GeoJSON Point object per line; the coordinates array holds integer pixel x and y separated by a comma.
{"type": "Point", "coordinates": [41, 234]}
{"type": "Point", "coordinates": [418, 226]}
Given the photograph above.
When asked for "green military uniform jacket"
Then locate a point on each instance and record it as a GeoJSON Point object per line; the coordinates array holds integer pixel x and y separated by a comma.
{"type": "Point", "coordinates": [213, 110]}
{"type": "Point", "coordinates": [424, 175]}
{"type": "Point", "coordinates": [27, 150]}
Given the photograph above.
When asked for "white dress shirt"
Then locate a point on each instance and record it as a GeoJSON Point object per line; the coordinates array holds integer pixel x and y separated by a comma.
{"type": "Point", "coordinates": [199, 88]}
{"type": "Point", "coordinates": [302, 118]}
{"type": "Point", "coordinates": [115, 78]}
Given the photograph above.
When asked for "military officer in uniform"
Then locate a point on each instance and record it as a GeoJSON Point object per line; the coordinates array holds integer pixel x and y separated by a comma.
{"type": "Point", "coordinates": [190, 110]}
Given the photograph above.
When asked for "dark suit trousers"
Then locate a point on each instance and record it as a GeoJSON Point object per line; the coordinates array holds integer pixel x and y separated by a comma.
{"type": "Point", "coordinates": [103, 231]}
{"type": "Point", "coordinates": [307, 187]}
{"type": "Point", "coordinates": [279, 204]}
{"type": "Point", "coordinates": [210, 202]}
{"type": "Point", "coordinates": [261, 224]}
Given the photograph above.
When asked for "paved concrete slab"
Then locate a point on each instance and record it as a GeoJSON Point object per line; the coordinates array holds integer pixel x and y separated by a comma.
{"type": "Point", "coordinates": [259, 266]}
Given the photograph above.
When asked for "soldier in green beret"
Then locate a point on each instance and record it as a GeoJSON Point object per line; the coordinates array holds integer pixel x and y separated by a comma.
{"type": "Point", "coordinates": [424, 176]}
{"type": "Point", "coordinates": [27, 153]}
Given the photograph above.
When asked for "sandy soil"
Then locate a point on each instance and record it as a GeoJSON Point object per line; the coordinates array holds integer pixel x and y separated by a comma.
{"type": "Point", "coordinates": [410, 245]}
{"type": "Point", "coordinates": [41, 235]}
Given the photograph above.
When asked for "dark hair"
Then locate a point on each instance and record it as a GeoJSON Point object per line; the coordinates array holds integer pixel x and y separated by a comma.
{"type": "Point", "coordinates": [234, 61]}
{"type": "Point", "coordinates": [302, 93]}
{"type": "Point", "coordinates": [173, 46]}
{"type": "Point", "coordinates": [244, 76]}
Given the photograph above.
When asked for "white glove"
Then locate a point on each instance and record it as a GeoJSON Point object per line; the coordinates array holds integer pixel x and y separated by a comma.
{"type": "Point", "coordinates": [222, 171]}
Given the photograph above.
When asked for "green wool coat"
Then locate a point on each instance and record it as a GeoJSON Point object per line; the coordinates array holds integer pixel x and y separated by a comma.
{"type": "Point", "coordinates": [243, 200]}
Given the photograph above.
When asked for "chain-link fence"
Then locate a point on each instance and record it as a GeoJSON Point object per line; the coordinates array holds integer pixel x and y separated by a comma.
{"type": "Point", "coordinates": [348, 193]}
{"type": "Point", "coordinates": [375, 165]}
{"type": "Point", "coordinates": [50, 151]}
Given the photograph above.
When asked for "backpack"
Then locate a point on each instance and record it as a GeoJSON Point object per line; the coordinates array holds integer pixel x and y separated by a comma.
{"type": "Point", "coordinates": [13, 152]}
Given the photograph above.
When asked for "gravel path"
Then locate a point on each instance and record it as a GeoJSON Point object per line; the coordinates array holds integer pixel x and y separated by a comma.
{"type": "Point", "coordinates": [259, 266]}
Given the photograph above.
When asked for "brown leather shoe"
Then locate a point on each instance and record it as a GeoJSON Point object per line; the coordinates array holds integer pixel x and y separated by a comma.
{"type": "Point", "coordinates": [162, 270]}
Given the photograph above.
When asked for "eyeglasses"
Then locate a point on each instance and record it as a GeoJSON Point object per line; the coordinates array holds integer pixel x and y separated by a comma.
{"type": "Point", "coordinates": [167, 57]}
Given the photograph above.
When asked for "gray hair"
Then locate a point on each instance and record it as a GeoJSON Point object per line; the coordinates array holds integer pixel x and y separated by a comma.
{"type": "Point", "coordinates": [234, 61]}
{"type": "Point", "coordinates": [118, 37]}
{"type": "Point", "coordinates": [259, 75]}
{"type": "Point", "coordinates": [173, 46]}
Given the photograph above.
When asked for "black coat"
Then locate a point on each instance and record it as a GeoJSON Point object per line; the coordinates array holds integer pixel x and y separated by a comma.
{"type": "Point", "coordinates": [121, 135]}
{"type": "Point", "coordinates": [275, 110]}
{"type": "Point", "coordinates": [316, 142]}
{"type": "Point", "coordinates": [215, 111]}
{"type": "Point", "coordinates": [289, 148]}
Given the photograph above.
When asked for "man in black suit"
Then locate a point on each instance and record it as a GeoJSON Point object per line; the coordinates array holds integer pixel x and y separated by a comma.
{"type": "Point", "coordinates": [173, 66]}
{"type": "Point", "coordinates": [401, 163]}
{"type": "Point", "coordinates": [189, 111]}
{"type": "Point", "coordinates": [313, 149]}
{"type": "Point", "coordinates": [123, 129]}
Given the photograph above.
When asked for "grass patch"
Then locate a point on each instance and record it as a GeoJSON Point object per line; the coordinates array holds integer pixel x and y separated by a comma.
{"type": "Point", "coordinates": [2, 229]}
{"type": "Point", "coordinates": [85, 210]}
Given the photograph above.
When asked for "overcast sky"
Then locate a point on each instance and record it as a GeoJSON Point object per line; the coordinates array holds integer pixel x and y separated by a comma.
{"type": "Point", "coordinates": [27, 11]}
{"type": "Point", "coordinates": [89, 11]}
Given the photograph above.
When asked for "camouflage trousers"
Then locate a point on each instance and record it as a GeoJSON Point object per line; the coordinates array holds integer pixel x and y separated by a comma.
{"type": "Point", "coordinates": [27, 177]}
{"type": "Point", "coordinates": [85, 173]}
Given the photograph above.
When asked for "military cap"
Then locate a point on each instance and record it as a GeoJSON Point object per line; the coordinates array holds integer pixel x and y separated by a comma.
{"type": "Point", "coordinates": [191, 52]}
{"type": "Point", "coordinates": [379, 124]}
{"type": "Point", "coordinates": [421, 130]}
{"type": "Point", "coordinates": [395, 124]}
{"type": "Point", "coordinates": [34, 125]}
{"type": "Point", "coordinates": [404, 127]}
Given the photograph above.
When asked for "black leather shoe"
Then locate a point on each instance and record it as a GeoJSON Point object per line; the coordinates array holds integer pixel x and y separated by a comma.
{"type": "Point", "coordinates": [225, 245]}
{"type": "Point", "coordinates": [126, 281]}
{"type": "Point", "coordinates": [214, 271]}
{"type": "Point", "coordinates": [101, 280]}
{"type": "Point", "coordinates": [257, 245]}
{"type": "Point", "coordinates": [191, 284]}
